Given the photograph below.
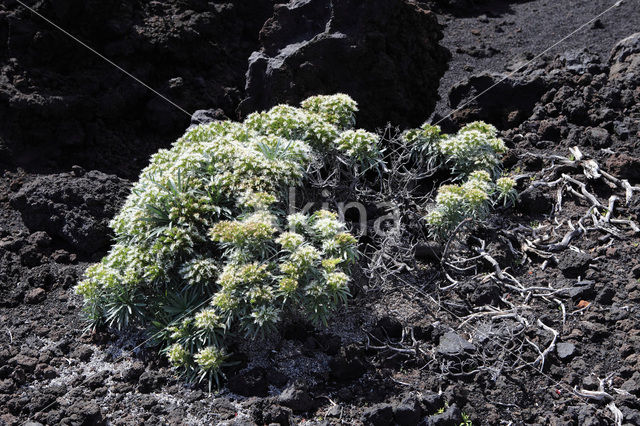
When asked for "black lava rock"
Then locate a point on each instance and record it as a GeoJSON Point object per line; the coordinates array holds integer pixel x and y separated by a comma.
{"type": "Point", "coordinates": [452, 416]}
{"type": "Point", "coordinates": [407, 412]}
{"type": "Point", "coordinates": [378, 415]}
{"type": "Point", "coordinates": [383, 53]}
{"type": "Point", "coordinates": [297, 399]}
{"type": "Point", "coordinates": [452, 344]}
{"type": "Point", "coordinates": [250, 383]}
{"type": "Point", "coordinates": [573, 263]}
{"type": "Point", "coordinates": [75, 209]}
{"type": "Point", "coordinates": [565, 350]}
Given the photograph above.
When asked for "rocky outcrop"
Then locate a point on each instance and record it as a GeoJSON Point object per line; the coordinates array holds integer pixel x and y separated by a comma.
{"type": "Point", "coordinates": [571, 99]}
{"type": "Point", "coordinates": [384, 53]}
{"type": "Point", "coordinates": [499, 99]}
{"type": "Point", "coordinates": [625, 60]}
{"type": "Point", "coordinates": [75, 208]}
{"type": "Point", "coordinates": [62, 105]}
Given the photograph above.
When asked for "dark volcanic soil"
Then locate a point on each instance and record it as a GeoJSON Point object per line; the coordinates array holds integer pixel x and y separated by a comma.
{"type": "Point", "coordinates": [405, 349]}
{"type": "Point", "coordinates": [498, 35]}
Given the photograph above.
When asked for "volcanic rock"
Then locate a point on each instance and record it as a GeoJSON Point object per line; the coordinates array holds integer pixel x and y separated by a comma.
{"type": "Point", "coordinates": [625, 60]}
{"type": "Point", "coordinates": [452, 344]}
{"type": "Point", "coordinates": [510, 101]}
{"type": "Point", "coordinates": [75, 209]}
{"type": "Point", "coordinates": [383, 53]}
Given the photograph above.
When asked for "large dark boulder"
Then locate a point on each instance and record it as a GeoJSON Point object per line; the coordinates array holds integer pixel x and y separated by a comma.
{"type": "Point", "coordinates": [383, 53]}
{"type": "Point", "coordinates": [502, 100]}
{"type": "Point", "coordinates": [74, 209]}
{"type": "Point", "coordinates": [625, 60]}
{"type": "Point", "coordinates": [62, 105]}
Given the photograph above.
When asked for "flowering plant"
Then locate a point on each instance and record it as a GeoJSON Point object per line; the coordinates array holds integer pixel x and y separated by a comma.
{"type": "Point", "coordinates": [473, 155]}
{"type": "Point", "coordinates": [201, 253]}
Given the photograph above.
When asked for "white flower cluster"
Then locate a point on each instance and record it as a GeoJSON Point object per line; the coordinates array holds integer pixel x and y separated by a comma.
{"type": "Point", "coordinates": [474, 147]}
{"type": "Point", "coordinates": [339, 109]}
{"type": "Point", "coordinates": [361, 145]}
{"type": "Point", "coordinates": [474, 155]}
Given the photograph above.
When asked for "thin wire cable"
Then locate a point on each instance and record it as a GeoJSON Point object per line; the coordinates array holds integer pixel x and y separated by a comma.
{"type": "Point", "coordinates": [105, 58]}
{"type": "Point", "coordinates": [617, 4]}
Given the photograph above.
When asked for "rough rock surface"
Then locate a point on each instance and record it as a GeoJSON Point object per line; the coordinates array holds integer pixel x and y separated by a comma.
{"type": "Point", "coordinates": [62, 105]}
{"type": "Point", "coordinates": [625, 60]}
{"type": "Point", "coordinates": [577, 100]}
{"type": "Point", "coordinates": [73, 208]}
{"type": "Point", "coordinates": [384, 53]}
{"type": "Point", "coordinates": [497, 98]}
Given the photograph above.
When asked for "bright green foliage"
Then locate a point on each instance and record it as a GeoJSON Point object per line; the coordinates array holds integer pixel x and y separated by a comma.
{"type": "Point", "coordinates": [203, 248]}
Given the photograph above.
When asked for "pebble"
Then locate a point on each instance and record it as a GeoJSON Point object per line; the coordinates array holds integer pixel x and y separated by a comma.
{"type": "Point", "coordinates": [565, 350]}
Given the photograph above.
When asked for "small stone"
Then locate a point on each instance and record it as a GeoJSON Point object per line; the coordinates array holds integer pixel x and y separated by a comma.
{"type": "Point", "coordinates": [573, 263]}
{"type": "Point", "coordinates": [276, 415]}
{"type": "Point", "coordinates": [582, 290]}
{"type": "Point", "coordinates": [46, 371]}
{"type": "Point", "coordinates": [624, 166]}
{"type": "Point", "coordinates": [636, 271]}
{"type": "Point", "coordinates": [133, 373]}
{"type": "Point", "coordinates": [632, 386]}
{"type": "Point", "coordinates": [298, 400]}
{"type": "Point", "coordinates": [431, 402]}
{"type": "Point", "coordinates": [378, 415]}
{"type": "Point", "coordinates": [78, 171]}
{"type": "Point", "coordinates": [40, 239]}
{"type": "Point", "coordinates": [451, 416]}
{"type": "Point", "coordinates": [250, 383]}
{"type": "Point", "coordinates": [83, 353]}
{"type": "Point", "coordinates": [6, 386]}
{"type": "Point", "coordinates": [565, 350]}
{"type": "Point", "coordinates": [150, 381]}
{"type": "Point", "coordinates": [534, 201]}
{"type": "Point", "coordinates": [590, 383]}
{"type": "Point", "coordinates": [34, 296]}
{"type": "Point", "coordinates": [582, 304]}
{"type": "Point", "coordinates": [61, 256]}
{"type": "Point", "coordinates": [452, 344]}
{"type": "Point", "coordinates": [598, 137]}
{"type": "Point", "coordinates": [606, 295]}
{"type": "Point", "coordinates": [96, 380]}
{"type": "Point", "coordinates": [407, 413]}
{"type": "Point", "coordinates": [26, 362]}
{"type": "Point", "coordinates": [204, 116]}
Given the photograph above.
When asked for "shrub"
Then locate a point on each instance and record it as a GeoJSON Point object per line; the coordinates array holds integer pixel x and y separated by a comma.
{"type": "Point", "coordinates": [472, 155]}
{"type": "Point", "coordinates": [474, 147]}
{"type": "Point", "coordinates": [338, 110]}
{"type": "Point", "coordinates": [360, 145]}
{"type": "Point", "coordinates": [204, 250]}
